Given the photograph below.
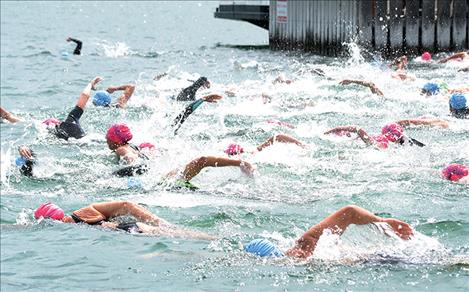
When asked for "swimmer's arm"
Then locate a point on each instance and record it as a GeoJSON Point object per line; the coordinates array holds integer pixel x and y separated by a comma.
{"type": "Point", "coordinates": [77, 50]}
{"type": "Point", "coordinates": [181, 118]}
{"type": "Point", "coordinates": [124, 98]}
{"type": "Point", "coordinates": [459, 90]}
{"type": "Point", "coordinates": [120, 208]}
{"type": "Point", "coordinates": [352, 129]}
{"type": "Point", "coordinates": [194, 167]}
{"type": "Point", "coordinates": [424, 122]}
{"type": "Point", "coordinates": [338, 222]}
{"type": "Point", "coordinates": [374, 89]}
{"type": "Point", "coordinates": [282, 139]}
{"type": "Point", "coordinates": [127, 154]}
{"type": "Point", "coordinates": [8, 116]}
{"type": "Point", "coordinates": [85, 94]}
{"type": "Point", "coordinates": [460, 55]}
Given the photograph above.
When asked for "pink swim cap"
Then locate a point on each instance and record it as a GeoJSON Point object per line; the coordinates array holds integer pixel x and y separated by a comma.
{"type": "Point", "coordinates": [49, 210]}
{"type": "Point", "coordinates": [426, 56]}
{"type": "Point", "coordinates": [234, 149]}
{"type": "Point", "coordinates": [393, 132]}
{"type": "Point", "coordinates": [454, 171]}
{"type": "Point", "coordinates": [119, 134]}
{"type": "Point", "coordinates": [51, 122]}
{"type": "Point", "coordinates": [148, 145]}
{"type": "Point", "coordinates": [381, 141]}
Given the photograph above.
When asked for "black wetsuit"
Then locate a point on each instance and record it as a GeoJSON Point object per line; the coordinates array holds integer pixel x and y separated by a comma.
{"type": "Point", "coordinates": [407, 141]}
{"type": "Point", "coordinates": [71, 126]}
{"type": "Point", "coordinates": [130, 227]}
{"type": "Point", "coordinates": [181, 118]}
{"type": "Point", "coordinates": [77, 50]}
{"type": "Point", "coordinates": [461, 113]}
{"type": "Point", "coordinates": [134, 169]}
{"type": "Point", "coordinates": [188, 93]}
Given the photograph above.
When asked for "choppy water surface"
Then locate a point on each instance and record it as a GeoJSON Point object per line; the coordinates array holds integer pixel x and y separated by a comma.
{"type": "Point", "coordinates": [292, 188]}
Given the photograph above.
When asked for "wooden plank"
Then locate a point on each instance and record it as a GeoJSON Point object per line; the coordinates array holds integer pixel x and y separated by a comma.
{"type": "Point", "coordinates": [365, 22]}
{"type": "Point", "coordinates": [443, 25]}
{"type": "Point", "coordinates": [412, 26]}
{"type": "Point", "coordinates": [396, 25]}
{"type": "Point", "coordinates": [428, 25]}
{"type": "Point", "coordinates": [460, 22]}
{"type": "Point", "coordinates": [381, 25]}
{"type": "Point", "coordinates": [333, 20]}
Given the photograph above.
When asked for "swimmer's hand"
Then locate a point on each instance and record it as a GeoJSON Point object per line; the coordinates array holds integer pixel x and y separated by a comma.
{"type": "Point", "coordinates": [95, 81]}
{"type": "Point", "coordinates": [376, 90]}
{"type": "Point", "coordinates": [69, 39]}
{"type": "Point", "coordinates": [401, 229]}
{"type": "Point", "coordinates": [25, 152]}
{"type": "Point", "coordinates": [212, 98]}
{"type": "Point", "coordinates": [111, 89]}
{"type": "Point", "coordinates": [247, 168]}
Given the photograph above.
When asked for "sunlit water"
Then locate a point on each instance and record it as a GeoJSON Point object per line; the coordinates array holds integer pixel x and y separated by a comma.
{"type": "Point", "coordinates": [292, 188]}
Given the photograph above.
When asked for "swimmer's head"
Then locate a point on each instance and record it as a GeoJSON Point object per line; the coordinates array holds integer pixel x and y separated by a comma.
{"type": "Point", "coordinates": [426, 56]}
{"type": "Point", "coordinates": [457, 101]}
{"type": "Point", "coordinates": [51, 122]}
{"type": "Point", "coordinates": [234, 149]}
{"type": "Point", "coordinates": [430, 88]}
{"type": "Point", "coordinates": [118, 135]}
{"type": "Point", "coordinates": [455, 171]}
{"type": "Point", "coordinates": [49, 210]}
{"type": "Point", "coordinates": [393, 132]}
{"type": "Point", "coordinates": [263, 248]}
{"type": "Point", "coordinates": [102, 98]}
{"type": "Point", "coordinates": [202, 82]}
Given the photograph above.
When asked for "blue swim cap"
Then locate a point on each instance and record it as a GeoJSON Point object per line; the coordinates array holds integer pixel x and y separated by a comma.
{"type": "Point", "coordinates": [263, 247]}
{"type": "Point", "coordinates": [457, 101]}
{"type": "Point", "coordinates": [431, 88]}
{"type": "Point", "coordinates": [102, 98]}
{"type": "Point", "coordinates": [20, 161]}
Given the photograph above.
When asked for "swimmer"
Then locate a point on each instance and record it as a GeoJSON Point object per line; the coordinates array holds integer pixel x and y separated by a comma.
{"type": "Point", "coordinates": [70, 128]}
{"type": "Point", "coordinates": [393, 132]}
{"type": "Point", "coordinates": [337, 223]}
{"type": "Point", "coordinates": [181, 118]}
{"type": "Point", "coordinates": [374, 89]}
{"type": "Point", "coordinates": [465, 69]}
{"type": "Point", "coordinates": [281, 79]}
{"type": "Point", "coordinates": [401, 69]}
{"type": "Point", "coordinates": [103, 98]}
{"type": "Point", "coordinates": [77, 50]}
{"type": "Point", "coordinates": [432, 88]}
{"type": "Point", "coordinates": [100, 214]}
{"type": "Point", "coordinates": [236, 149]}
{"type": "Point", "coordinates": [6, 115]}
{"type": "Point", "coordinates": [460, 56]}
{"type": "Point", "coordinates": [456, 172]}
{"type": "Point", "coordinates": [118, 137]}
{"type": "Point", "coordinates": [458, 106]}
{"type": "Point", "coordinates": [26, 160]}
{"type": "Point", "coordinates": [188, 93]}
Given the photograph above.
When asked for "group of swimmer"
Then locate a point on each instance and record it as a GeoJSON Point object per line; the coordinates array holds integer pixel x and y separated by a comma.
{"type": "Point", "coordinates": [119, 141]}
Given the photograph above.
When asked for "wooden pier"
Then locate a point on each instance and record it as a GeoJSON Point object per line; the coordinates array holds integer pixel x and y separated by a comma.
{"type": "Point", "coordinates": [391, 27]}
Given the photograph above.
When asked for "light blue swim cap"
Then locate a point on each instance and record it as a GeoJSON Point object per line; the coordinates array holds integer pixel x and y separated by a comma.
{"type": "Point", "coordinates": [431, 88]}
{"type": "Point", "coordinates": [20, 161]}
{"type": "Point", "coordinates": [133, 182]}
{"type": "Point", "coordinates": [457, 101]}
{"type": "Point", "coordinates": [262, 247]}
{"type": "Point", "coordinates": [102, 98]}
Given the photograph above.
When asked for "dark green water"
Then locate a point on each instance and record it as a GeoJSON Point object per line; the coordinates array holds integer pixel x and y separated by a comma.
{"type": "Point", "coordinates": [292, 188]}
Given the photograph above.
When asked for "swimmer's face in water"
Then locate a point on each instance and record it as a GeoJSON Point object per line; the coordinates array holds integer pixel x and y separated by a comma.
{"type": "Point", "coordinates": [112, 145]}
{"type": "Point", "coordinates": [206, 84]}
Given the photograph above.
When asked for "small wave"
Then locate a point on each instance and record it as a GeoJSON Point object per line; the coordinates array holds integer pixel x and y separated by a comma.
{"type": "Point", "coordinates": [42, 53]}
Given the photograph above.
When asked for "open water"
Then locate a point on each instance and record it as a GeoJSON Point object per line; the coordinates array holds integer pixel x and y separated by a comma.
{"type": "Point", "coordinates": [292, 188]}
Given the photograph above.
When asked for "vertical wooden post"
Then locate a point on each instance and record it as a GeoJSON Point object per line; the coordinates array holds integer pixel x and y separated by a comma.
{"type": "Point", "coordinates": [396, 26]}
{"type": "Point", "coordinates": [365, 22]}
{"type": "Point", "coordinates": [428, 25]}
{"type": "Point", "coordinates": [443, 25]}
{"type": "Point", "coordinates": [412, 25]}
{"type": "Point", "coordinates": [460, 23]}
{"type": "Point", "coordinates": [381, 25]}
